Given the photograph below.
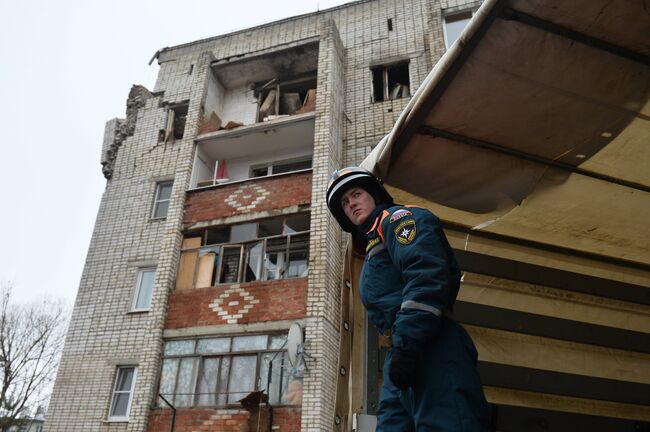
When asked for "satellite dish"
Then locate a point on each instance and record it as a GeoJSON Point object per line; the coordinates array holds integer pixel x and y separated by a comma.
{"type": "Point", "coordinates": [295, 345]}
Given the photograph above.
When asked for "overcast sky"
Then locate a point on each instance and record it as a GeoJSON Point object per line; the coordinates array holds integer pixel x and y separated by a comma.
{"type": "Point", "coordinates": [66, 68]}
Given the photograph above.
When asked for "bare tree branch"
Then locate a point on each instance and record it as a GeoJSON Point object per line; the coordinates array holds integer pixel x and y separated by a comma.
{"type": "Point", "coordinates": [31, 342]}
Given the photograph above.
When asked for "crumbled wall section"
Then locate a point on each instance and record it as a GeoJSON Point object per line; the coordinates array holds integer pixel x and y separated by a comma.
{"type": "Point", "coordinates": [117, 130]}
{"type": "Point", "coordinates": [103, 333]}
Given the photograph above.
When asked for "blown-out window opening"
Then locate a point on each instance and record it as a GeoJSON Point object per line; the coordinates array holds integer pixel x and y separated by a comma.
{"type": "Point", "coordinates": [268, 249]}
{"type": "Point", "coordinates": [391, 81]}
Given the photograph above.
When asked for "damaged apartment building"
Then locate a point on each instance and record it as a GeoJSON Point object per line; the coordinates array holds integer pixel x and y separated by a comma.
{"type": "Point", "coordinates": [213, 237]}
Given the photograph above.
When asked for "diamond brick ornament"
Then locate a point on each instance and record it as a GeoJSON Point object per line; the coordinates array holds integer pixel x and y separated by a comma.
{"type": "Point", "coordinates": [233, 304]}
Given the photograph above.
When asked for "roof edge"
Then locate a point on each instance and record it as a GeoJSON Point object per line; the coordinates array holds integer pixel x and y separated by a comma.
{"type": "Point", "coordinates": [259, 26]}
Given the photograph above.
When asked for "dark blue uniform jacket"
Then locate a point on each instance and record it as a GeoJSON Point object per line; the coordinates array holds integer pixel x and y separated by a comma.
{"type": "Point", "coordinates": [410, 276]}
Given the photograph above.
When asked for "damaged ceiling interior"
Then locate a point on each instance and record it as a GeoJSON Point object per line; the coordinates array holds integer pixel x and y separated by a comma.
{"type": "Point", "coordinates": [281, 64]}
{"type": "Point", "coordinates": [536, 125]}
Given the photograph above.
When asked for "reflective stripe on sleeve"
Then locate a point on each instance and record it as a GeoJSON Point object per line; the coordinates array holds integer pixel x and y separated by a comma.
{"type": "Point", "coordinates": [374, 251]}
{"type": "Point", "coordinates": [410, 304]}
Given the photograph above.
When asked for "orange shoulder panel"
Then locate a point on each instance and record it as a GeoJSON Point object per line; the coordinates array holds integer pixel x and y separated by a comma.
{"type": "Point", "coordinates": [383, 216]}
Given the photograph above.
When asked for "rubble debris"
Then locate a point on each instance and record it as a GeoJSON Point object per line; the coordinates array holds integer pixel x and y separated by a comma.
{"type": "Point", "coordinates": [261, 412]}
{"type": "Point", "coordinates": [310, 102]}
{"type": "Point", "coordinates": [232, 125]}
{"type": "Point", "coordinates": [399, 91]}
{"type": "Point", "coordinates": [268, 106]}
{"type": "Point", "coordinates": [211, 124]}
{"type": "Point", "coordinates": [290, 103]}
{"type": "Point", "coordinates": [273, 81]}
{"type": "Point", "coordinates": [176, 116]}
{"type": "Point", "coordinates": [138, 96]}
{"type": "Point", "coordinates": [274, 117]}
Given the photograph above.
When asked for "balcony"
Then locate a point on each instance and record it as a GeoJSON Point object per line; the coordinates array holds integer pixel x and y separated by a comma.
{"type": "Point", "coordinates": [253, 88]}
{"type": "Point", "coordinates": [262, 250]}
{"type": "Point", "coordinates": [273, 147]}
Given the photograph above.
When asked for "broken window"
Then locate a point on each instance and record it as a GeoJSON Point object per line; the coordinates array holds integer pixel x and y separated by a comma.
{"type": "Point", "coordinates": [280, 167]}
{"type": "Point", "coordinates": [274, 248]}
{"type": "Point", "coordinates": [229, 269]}
{"type": "Point", "coordinates": [161, 199]}
{"type": "Point", "coordinates": [220, 371]}
{"type": "Point", "coordinates": [390, 82]}
{"type": "Point", "coordinates": [455, 24]}
{"type": "Point", "coordinates": [175, 126]}
{"type": "Point", "coordinates": [283, 98]}
{"type": "Point", "coordinates": [298, 255]}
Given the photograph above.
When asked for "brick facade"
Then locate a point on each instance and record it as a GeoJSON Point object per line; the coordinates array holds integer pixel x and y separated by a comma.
{"type": "Point", "coordinates": [285, 419]}
{"type": "Point", "coordinates": [104, 333]}
{"type": "Point", "coordinates": [274, 301]}
{"type": "Point", "coordinates": [264, 194]}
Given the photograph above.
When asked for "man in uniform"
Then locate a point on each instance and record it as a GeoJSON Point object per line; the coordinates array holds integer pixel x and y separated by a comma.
{"type": "Point", "coordinates": [408, 285]}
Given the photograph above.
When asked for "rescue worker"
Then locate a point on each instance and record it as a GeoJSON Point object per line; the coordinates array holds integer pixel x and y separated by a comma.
{"type": "Point", "coordinates": [408, 285]}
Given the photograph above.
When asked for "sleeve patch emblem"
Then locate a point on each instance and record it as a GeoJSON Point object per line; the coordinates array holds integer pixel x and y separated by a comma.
{"type": "Point", "coordinates": [399, 214]}
{"type": "Point", "coordinates": [405, 231]}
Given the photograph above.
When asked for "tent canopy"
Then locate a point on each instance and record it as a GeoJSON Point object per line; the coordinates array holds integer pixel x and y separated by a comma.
{"type": "Point", "coordinates": [535, 125]}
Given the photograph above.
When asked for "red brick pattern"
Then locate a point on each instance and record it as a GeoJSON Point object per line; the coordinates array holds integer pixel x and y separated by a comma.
{"type": "Point", "coordinates": [287, 419]}
{"type": "Point", "coordinates": [278, 300]}
{"type": "Point", "coordinates": [284, 191]}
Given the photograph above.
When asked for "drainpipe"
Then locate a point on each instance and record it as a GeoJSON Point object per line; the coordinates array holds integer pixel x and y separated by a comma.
{"type": "Point", "coordinates": [173, 411]}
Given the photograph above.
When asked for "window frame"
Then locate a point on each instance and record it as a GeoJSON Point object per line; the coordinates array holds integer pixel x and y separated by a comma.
{"type": "Point", "coordinates": [157, 200]}
{"type": "Point", "coordinates": [138, 287]}
{"type": "Point", "coordinates": [384, 78]}
{"type": "Point", "coordinates": [272, 164]}
{"type": "Point", "coordinates": [114, 418]}
{"type": "Point", "coordinates": [199, 365]}
{"type": "Point", "coordinates": [445, 15]}
{"type": "Point", "coordinates": [243, 246]}
{"type": "Point", "coordinates": [244, 257]}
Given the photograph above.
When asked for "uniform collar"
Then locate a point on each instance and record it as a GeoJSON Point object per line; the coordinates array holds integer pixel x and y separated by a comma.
{"type": "Point", "coordinates": [372, 218]}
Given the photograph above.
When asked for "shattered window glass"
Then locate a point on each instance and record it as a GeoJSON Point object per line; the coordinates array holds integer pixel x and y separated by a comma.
{"type": "Point", "coordinates": [257, 251]}
{"type": "Point", "coordinates": [275, 387]}
{"type": "Point", "coordinates": [296, 223]}
{"type": "Point", "coordinates": [253, 268]}
{"type": "Point", "coordinates": [298, 256]}
{"type": "Point", "coordinates": [230, 259]}
{"type": "Point", "coordinates": [270, 227]}
{"type": "Point", "coordinates": [275, 262]}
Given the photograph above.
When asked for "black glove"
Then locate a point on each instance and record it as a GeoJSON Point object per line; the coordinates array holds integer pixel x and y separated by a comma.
{"type": "Point", "coordinates": [403, 368]}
